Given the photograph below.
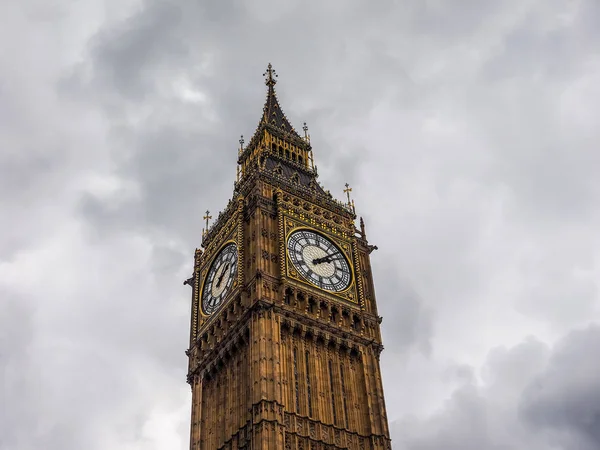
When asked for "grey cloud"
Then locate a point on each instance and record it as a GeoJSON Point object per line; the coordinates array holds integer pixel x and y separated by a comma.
{"type": "Point", "coordinates": [565, 398]}
{"type": "Point", "coordinates": [530, 396]}
{"type": "Point", "coordinates": [467, 133]}
{"type": "Point", "coordinates": [410, 319]}
{"type": "Point", "coordinates": [16, 327]}
{"type": "Point", "coordinates": [128, 55]}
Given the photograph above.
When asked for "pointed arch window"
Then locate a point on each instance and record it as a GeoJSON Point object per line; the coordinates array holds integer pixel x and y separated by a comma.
{"type": "Point", "coordinates": [308, 390]}
{"type": "Point", "coordinates": [296, 380]}
{"type": "Point", "coordinates": [332, 388]}
{"type": "Point", "coordinates": [344, 394]}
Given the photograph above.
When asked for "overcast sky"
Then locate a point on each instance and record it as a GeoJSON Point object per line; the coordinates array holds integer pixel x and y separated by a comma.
{"type": "Point", "coordinates": [468, 131]}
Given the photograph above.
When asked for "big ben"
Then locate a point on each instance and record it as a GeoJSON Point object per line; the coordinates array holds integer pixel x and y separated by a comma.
{"type": "Point", "coordinates": [285, 336]}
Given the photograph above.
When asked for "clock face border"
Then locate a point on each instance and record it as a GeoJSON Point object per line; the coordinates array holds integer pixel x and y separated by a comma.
{"type": "Point", "coordinates": [290, 225]}
{"type": "Point", "coordinates": [206, 271]}
{"type": "Point", "coordinates": [300, 264]}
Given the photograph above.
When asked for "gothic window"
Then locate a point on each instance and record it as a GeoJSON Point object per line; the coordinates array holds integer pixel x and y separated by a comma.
{"type": "Point", "coordinates": [332, 392]}
{"type": "Point", "coordinates": [287, 154]}
{"type": "Point", "coordinates": [334, 315]}
{"type": "Point", "coordinates": [310, 411]}
{"type": "Point", "coordinates": [296, 380]}
{"type": "Point", "coordinates": [324, 310]}
{"type": "Point", "coordinates": [311, 306]}
{"type": "Point", "coordinates": [294, 157]}
{"type": "Point", "coordinates": [300, 159]}
{"type": "Point", "coordinates": [296, 177]}
{"type": "Point", "coordinates": [300, 300]}
{"type": "Point", "coordinates": [281, 151]}
{"type": "Point", "coordinates": [288, 296]}
{"type": "Point", "coordinates": [344, 394]}
{"type": "Point", "coordinates": [356, 323]}
{"type": "Point", "coordinates": [346, 318]}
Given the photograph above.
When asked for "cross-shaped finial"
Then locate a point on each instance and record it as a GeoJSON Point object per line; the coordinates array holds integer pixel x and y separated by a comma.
{"type": "Point", "coordinates": [241, 141]}
{"type": "Point", "coordinates": [305, 128]}
{"type": "Point", "coordinates": [270, 76]}
{"type": "Point", "coordinates": [347, 192]}
{"type": "Point", "coordinates": [207, 217]}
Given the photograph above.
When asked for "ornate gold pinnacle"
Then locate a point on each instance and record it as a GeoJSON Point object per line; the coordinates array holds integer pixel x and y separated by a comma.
{"type": "Point", "coordinates": [347, 192]}
{"type": "Point", "coordinates": [207, 217]}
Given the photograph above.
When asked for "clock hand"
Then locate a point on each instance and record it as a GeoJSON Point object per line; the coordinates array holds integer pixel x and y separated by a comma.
{"type": "Point", "coordinates": [225, 268]}
{"type": "Point", "coordinates": [326, 258]}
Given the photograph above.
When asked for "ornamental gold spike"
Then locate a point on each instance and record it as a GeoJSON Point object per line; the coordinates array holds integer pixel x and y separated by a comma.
{"type": "Point", "coordinates": [241, 141]}
{"type": "Point", "coordinates": [306, 135]}
{"type": "Point", "coordinates": [207, 217]}
{"type": "Point", "coordinates": [347, 192]}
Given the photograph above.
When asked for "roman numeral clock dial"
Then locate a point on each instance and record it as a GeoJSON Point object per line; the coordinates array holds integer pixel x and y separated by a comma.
{"type": "Point", "coordinates": [319, 260]}
{"type": "Point", "coordinates": [219, 279]}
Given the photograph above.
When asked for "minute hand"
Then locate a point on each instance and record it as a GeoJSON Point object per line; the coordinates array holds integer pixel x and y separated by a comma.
{"type": "Point", "coordinates": [327, 258]}
{"type": "Point", "coordinates": [222, 275]}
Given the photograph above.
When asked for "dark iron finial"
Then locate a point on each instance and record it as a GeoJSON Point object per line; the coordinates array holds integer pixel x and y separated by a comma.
{"type": "Point", "coordinates": [270, 76]}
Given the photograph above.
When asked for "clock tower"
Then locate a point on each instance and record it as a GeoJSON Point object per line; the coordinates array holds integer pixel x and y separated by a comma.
{"type": "Point", "coordinates": [284, 337]}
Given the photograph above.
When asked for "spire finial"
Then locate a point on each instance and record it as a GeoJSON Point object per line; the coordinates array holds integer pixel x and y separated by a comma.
{"type": "Point", "coordinates": [207, 218]}
{"type": "Point", "coordinates": [270, 76]}
{"type": "Point", "coordinates": [350, 202]}
{"type": "Point", "coordinates": [347, 192]}
{"type": "Point", "coordinates": [241, 141]}
{"type": "Point", "coordinates": [306, 135]}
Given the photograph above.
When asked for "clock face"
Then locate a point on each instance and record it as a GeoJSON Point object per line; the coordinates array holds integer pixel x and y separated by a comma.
{"type": "Point", "coordinates": [319, 260]}
{"type": "Point", "coordinates": [219, 279]}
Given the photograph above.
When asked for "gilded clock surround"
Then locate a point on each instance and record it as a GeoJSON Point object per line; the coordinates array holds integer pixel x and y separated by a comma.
{"type": "Point", "coordinates": [282, 364]}
{"type": "Point", "coordinates": [205, 270]}
{"type": "Point", "coordinates": [291, 225]}
{"type": "Point", "coordinates": [341, 248]}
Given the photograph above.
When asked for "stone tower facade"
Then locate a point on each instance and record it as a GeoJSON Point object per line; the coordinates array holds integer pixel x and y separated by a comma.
{"type": "Point", "coordinates": [285, 339]}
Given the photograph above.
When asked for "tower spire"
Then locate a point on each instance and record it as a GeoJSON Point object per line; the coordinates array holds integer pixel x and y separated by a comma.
{"type": "Point", "coordinates": [272, 114]}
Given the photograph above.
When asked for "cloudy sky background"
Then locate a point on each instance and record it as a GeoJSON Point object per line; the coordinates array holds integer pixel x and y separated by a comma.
{"type": "Point", "coordinates": [467, 129]}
